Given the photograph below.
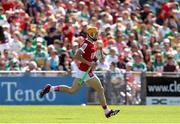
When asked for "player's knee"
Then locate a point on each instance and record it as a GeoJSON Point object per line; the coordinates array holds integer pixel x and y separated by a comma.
{"type": "Point", "coordinates": [101, 89]}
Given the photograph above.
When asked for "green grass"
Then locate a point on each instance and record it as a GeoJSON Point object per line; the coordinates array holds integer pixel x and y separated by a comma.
{"type": "Point", "coordinates": [88, 114]}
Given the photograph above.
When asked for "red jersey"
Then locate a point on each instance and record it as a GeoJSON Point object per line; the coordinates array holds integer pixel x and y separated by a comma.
{"type": "Point", "coordinates": [88, 50]}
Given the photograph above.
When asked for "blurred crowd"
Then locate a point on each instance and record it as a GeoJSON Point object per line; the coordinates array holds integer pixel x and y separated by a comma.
{"type": "Point", "coordinates": [136, 35]}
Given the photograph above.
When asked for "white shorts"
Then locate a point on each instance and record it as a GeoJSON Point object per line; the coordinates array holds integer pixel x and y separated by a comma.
{"type": "Point", "coordinates": [80, 74]}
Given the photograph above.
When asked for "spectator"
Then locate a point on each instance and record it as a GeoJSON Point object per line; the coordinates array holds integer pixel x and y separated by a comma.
{"type": "Point", "coordinates": [166, 11]}
{"type": "Point", "coordinates": [4, 37]}
{"type": "Point", "coordinates": [145, 12]}
{"type": "Point", "coordinates": [156, 48]}
{"type": "Point", "coordinates": [147, 55]}
{"type": "Point", "coordinates": [112, 57]}
{"type": "Point", "coordinates": [32, 7]}
{"type": "Point", "coordinates": [158, 62]}
{"type": "Point", "coordinates": [127, 22]}
{"type": "Point", "coordinates": [178, 66]}
{"type": "Point", "coordinates": [82, 31]}
{"type": "Point", "coordinates": [138, 64]}
{"type": "Point", "coordinates": [14, 65]}
{"type": "Point", "coordinates": [135, 48]}
{"type": "Point", "coordinates": [40, 56]}
{"type": "Point", "coordinates": [164, 30]}
{"type": "Point", "coordinates": [168, 48]}
{"type": "Point", "coordinates": [128, 55]}
{"type": "Point", "coordinates": [67, 66]}
{"type": "Point", "coordinates": [120, 44]}
{"type": "Point", "coordinates": [143, 33]}
{"type": "Point", "coordinates": [65, 61]}
{"type": "Point", "coordinates": [9, 4]}
{"type": "Point", "coordinates": [58, 46]}
{"type": "Point", "coordinates": [170, 66]}
{"type": "Point", "coordinates": [16, 43]}
{"type": "Point", "coordinates": [52, 61]}
{"type": "Point", "coordinates": [133, 86]}
{"type": "Point", "coordinates": [126, 5]}
{"type": "Point", "coordinates": [121, 63]}
{"type": "Point", "coordinates": [32, 67]}
{"type": "Point", "coordinates": [5, 58]}
{"type": "Point", "coordinates": [74, 49]}
{"type": "Point", "coordinates": [69, 31]}
{"type": "Point", "coordinates": [2, 65]}
{"type": "Point", "coordinates": [50, 48]}
{"type": "Point", "coordinates": [117, 81]}
{"type": "Point", "coordinates": [84, 14]}
{"type": "Point", "coordinates": [116, 73]}
{"type": "Point", "coordinates": [150, 66]}
{"type": "Point", "coordinates": [131, 40]}
{"type": "Point", "coordinates": [102, 65]}
{"type": "Point", "coordinates": [153, 40]}
{"type": "Point", "coordinates": [26, 52]}
{"type": "Point", "coordinates": [52, 33]}
{"type": "Point", "coordinates": [177, 55]}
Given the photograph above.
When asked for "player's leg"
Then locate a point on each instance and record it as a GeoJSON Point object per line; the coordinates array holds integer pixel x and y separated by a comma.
{"type": "Point", "coordinates": [61, 88]}
{"type": "Point", "coordinates": [64, 88]}
{"type": "Point", "coordinates": [96, 84]}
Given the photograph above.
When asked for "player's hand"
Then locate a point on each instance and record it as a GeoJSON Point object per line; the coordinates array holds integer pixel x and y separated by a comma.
{"type": "Point", "coordinates": [92, 64]}
{"type": "Point", "coordinates": [102, 53]}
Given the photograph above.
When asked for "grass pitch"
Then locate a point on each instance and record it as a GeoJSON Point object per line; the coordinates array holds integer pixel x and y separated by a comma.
{"type": "Point", "coordinates": [89, 114]}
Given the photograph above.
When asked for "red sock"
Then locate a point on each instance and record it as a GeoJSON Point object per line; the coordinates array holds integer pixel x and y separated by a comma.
{"type": "Point", "coordinates": [55, 88]}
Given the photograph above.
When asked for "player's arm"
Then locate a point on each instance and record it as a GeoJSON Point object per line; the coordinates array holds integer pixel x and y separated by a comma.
{"type": "Point", "coordinates": [78, 56]}
{"type": "Point", "coordinates": [102, 53]}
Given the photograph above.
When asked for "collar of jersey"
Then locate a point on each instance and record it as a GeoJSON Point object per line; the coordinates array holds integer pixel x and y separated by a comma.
{"type": "Point", "coordinates": [89, 41]}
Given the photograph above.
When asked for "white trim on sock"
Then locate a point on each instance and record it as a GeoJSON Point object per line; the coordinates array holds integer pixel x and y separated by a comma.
{"type": "Point", "coordinates": [106, 110]}
{"type": "Point", "coordinates": [52, 88]}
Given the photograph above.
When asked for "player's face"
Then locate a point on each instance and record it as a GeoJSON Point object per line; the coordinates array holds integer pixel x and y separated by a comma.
{"type": "Point", "coordinates": [95, 37]}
